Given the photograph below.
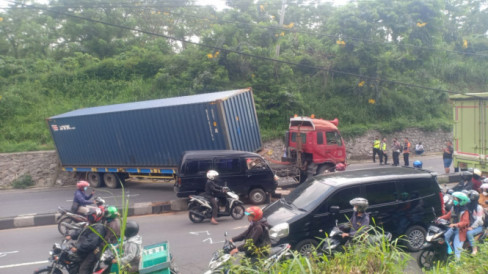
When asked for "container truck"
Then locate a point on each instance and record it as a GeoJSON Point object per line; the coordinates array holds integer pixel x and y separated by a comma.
{"type": "Point", "coordinates": [108, 144]}
{"type": "Point", "coordinates": [470, 130]}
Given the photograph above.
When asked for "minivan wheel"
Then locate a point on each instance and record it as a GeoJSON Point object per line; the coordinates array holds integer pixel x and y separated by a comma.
{"type": "Point", "coordinates": [415, 238]}
{"type": "Point", "coordinates": [257, 196]}
{"type": "Point", "coordinates": [306, 247]}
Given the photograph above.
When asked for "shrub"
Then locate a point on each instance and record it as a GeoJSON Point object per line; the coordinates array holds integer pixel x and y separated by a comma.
{"type": "Point", "coordinates": [23, 181]}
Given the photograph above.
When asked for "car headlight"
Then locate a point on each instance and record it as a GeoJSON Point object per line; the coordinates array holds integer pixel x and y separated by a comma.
{"type": "Point", "coordinates": [279, 231]}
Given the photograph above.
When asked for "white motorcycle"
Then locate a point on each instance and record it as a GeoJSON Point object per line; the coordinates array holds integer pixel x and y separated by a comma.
{"type": "Point", "coordinates": [200, 208]}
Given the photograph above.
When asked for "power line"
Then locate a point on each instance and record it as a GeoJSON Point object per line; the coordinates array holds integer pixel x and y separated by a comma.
{"type": "Point", "coordinates": [375, 79]}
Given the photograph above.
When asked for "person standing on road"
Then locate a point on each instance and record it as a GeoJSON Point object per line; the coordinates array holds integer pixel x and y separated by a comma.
{"type": "Point", "coordinates": [376, 149]}
{"type": "Point", "coordinates": [447, 156]}
{"type": "Point", "coordinates": [406, 151]}
{"type": "Point", "coordinates": [397, 148]}
{"type": "Point", "coordinates": [384, 154]}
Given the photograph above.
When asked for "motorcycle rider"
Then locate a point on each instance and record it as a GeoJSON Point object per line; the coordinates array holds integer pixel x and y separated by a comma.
{"type": "Point", "coordinates": [212, 192]}
{"type": "Point", "coordinates": [112, 222]}
{"type": "Point", "coordinates": [476, 214]}
{"type": "Point", "coordinates": [459, 223]}
{"type": "Point", "coordinates": [476, 180]}
{"type": "Point", "coordinates": [257, 231]}
{"type": "Point", "coordinates": [81, 201]}
{"type": "Point", "coordinates": [88, 242]}
{"type": "Point", "coordinates": [132, 248]}
{"type": "Point", "coordinates": [359, 219]}
{"type": "Point", "coordinates": [484, 195]}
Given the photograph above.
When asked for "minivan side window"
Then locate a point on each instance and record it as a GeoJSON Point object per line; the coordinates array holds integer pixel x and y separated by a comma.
{"type": "Point", "coordinates": [228, 165]}
{"type": "Point", "coordinates": [381, 193]}
{"type": "Point", "coordinates": [197, 166]}
{"type": "Point", "coordinates": [342, 197]}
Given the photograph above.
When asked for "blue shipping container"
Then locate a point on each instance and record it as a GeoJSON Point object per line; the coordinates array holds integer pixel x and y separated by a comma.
{"type": "Point", "coordinates": [155, 133]}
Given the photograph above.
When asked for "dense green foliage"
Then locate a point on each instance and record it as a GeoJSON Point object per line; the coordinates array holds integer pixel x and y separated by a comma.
{"type": "Point", "coordinates": [23, 181]}
{"type": "Point", "coordinates": [377, 64]}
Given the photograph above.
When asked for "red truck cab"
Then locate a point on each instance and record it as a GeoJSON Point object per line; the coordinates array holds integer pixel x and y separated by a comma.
{"type": "Point", "coordinates": [320, 147]}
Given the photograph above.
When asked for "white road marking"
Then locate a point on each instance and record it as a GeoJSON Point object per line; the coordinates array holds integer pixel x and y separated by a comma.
{"type": "Point", "coordinates": [23, 264]}
{"type": "Point", "coordinates": [3, 254]}
{"type": "Point", "coordinates": [211, 241]}
{"type": "Point", "coordinates": [200, 232]}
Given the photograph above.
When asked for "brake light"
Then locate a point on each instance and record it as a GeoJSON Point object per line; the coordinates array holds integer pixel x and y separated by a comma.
{"type": "Point", "coordinates": [441, 196]}
{"type": "Point", "coordinates": [179, 181]}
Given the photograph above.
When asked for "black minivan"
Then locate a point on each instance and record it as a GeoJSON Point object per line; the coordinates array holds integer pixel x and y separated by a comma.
{"type": "Point", "coordinates": [402, 200]}
{"type": "Point", "coordinates": [245, 173]}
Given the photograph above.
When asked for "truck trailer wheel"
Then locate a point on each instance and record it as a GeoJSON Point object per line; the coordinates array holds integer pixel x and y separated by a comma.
{"type": "Point", "coordinates": [95, 179]}
{"type": "Point", "coordinates": [111, 180]}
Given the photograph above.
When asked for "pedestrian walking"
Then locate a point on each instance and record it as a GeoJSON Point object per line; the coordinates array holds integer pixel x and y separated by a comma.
{"type": "Point", "coordinates": [406, 151]}
{"type": "Point", "coordinates": [376, 148]}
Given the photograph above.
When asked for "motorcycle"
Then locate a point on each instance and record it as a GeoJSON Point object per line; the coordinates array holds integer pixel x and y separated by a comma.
{"type": "Point", "coordinates": [69, 222]}
{"type": "Point", "coordinates": [434, 249]}
{"type": "Point", "coordinates": [61, 258]}
{"type": "Point", "coordinates": [336, 243]}
{"type": "Point", "coordinates": [200, 207]}
{"type": "Point", "coordinates": [220, 257]}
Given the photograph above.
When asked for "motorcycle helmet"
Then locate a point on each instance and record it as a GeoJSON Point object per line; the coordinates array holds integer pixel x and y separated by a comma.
{"type": "Point", "coordinates": [484, 188]}
{"type": "Point", "coordinates": [82, 184]}
{"type": "Point", "coordinates": [111, 212]}
{"type": "Point", "coordinates": [131, 229]}
{"type": "Point", "coordinates": [476, 173]}
{"type": "Point", "coordinates": [448, 202]}
{"type": "Point", "coordinates": [417, 164]}
{"type": "Point", "coordinates": [255, 211]}
{"type": "Point", "coordinates": [212, 174]}
{"type": "Point", "coordinates": [474, 196]}
{"type": "Point", "coordinates": [361, 204]}
{"type": "Point", "coordinates": [461, 198]}
{"type": "Point", "coordinates": [94, 215]}
{"type": "Point", "coordinates": [340, 167]}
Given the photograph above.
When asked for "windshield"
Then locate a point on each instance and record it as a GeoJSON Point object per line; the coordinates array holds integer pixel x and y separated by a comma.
{"type": "Point", "coordinates": [307, 195]}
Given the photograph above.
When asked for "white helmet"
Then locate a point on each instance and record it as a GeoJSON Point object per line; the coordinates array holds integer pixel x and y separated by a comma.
{"type": "Point", "coordinates": [360, 203]}
{"type": "Point", "coordinates": [212, 174]}
{"type": "Point", "coordinates": [484, 189]}
{"type": "Point", "coordinates": [477, 172]}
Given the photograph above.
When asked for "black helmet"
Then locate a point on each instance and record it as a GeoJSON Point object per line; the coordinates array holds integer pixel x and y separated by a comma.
{"type": "Point", "coordinates": [474, 195]}
{"type": "Point", "coordinates": [131, 229]}
{"type": "Point", "coordinates": [94, 215]}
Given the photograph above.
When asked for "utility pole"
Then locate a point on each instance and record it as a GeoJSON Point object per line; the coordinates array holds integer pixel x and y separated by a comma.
{"type": "Point", "coordinates": [282, 20]}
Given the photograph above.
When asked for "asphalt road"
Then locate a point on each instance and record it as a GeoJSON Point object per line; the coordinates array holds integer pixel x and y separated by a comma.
{"type": "Point", "coordinates": [24, 250]}
{"type": "Point", "coordinates": [47, 200]}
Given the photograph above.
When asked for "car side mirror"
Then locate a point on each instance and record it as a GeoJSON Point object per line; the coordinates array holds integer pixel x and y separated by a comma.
{"type": "Point", "coordinates": [334, 209]}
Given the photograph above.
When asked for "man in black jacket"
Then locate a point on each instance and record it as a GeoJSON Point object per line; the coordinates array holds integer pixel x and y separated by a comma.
{"type": "Point", "coordinates": [257, 232]}
{"type": "Point", "coordinates": [89, 243]}
{"type": "Point", "coordinates": [212, 191]}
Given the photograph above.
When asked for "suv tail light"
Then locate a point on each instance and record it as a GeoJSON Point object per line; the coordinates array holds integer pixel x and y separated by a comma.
{"type": "Point", "coordinates": [179, 181]}
{"type": "Point", "coordinates": [441, 196]}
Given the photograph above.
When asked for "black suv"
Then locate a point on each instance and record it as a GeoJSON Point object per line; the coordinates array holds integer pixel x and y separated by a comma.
{"type": "Point", "coordinates": [245, 173]}
{"type": "Point", "coordinates": [402, 200]}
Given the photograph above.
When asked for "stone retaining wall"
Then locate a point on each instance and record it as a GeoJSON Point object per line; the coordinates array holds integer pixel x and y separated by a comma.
{"type": "Point", "coordinates": [44, 167]}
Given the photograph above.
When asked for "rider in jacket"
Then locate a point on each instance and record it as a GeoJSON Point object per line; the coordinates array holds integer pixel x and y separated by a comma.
{"type": "Point", "coordinates": [212, 192]}
{"type": "Point", "coordinates": [81, 201]}
{"type": "Point", "coordinates": [88, 243]}
{"type": "Point", "coordinates": [459, 224]}
{"type": "Point", "coordinates": [257, 231]}
{"type": "Point", "coordinates": [359, 219]}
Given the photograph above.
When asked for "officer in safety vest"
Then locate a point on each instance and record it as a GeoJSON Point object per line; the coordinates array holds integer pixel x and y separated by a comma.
{"type": "Point", "coordinates": [376, 148]}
